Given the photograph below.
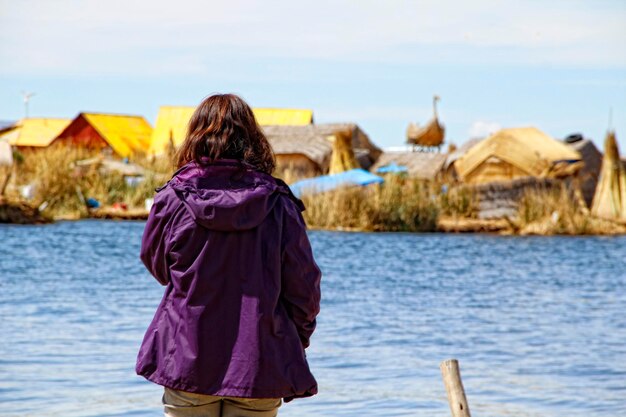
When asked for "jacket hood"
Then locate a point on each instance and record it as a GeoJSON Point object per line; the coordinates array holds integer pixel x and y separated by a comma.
{"type": "Point", "coordinates": [228, 195]}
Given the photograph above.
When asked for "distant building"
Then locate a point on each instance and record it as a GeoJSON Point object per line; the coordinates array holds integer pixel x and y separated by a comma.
{"type": "Point", "coordinates": [296, 141]}
{"type": "Point", "coordinates": [308, 149]}
{"type": "Point", "coordinates": [170, 128]}
{"type": "Point", "coordinates": [422, 165]}
{"type": "Point", "coordinates": [450, 173]}
{"type": "Point", "coordinates": [122, 135]}
{"type": "Point", "coordinates": [172, 121]}
{"type": "Point", "coordinates": [515, 153]}
{"type": "Point", "coordinates": [33, 133]}
{"type": "Point", "coordinates": [283, 117]}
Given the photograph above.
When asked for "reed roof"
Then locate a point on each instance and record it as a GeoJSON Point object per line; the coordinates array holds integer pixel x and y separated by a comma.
{"type": "Point", "coordinates": [424, 165]}
{"type": "Point", "coordinates": [460, 151]}
{"type": "Point", "coordinates": [315, 141]}
{"type": "Point", "coordinates": [527, 148]}
{"type": "Point", "coordinates": [306, 142]}
{"type": "Point", "coordinates": [312, 141]}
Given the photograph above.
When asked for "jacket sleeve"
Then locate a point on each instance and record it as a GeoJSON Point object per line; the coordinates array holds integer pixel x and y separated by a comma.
{"type": "Point", "coordinates": [155, 241]}
{"type": "Point", "coordinates": [300, 275]}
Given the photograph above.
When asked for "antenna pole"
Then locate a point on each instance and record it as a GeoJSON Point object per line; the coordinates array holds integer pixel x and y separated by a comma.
{"type": "Point", "coordinates": [26, 96]}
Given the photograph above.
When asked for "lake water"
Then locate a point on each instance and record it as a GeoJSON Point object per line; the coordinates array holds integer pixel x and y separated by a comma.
{"type": "Point", "coordinates": [538, 324]}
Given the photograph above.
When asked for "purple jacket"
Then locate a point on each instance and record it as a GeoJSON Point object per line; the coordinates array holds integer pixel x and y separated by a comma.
{"type": "Point", "coordinates": [242, 288]}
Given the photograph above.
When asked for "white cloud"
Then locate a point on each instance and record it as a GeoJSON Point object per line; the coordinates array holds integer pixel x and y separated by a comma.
{"type": "Point", "coordinates": [480, 129]}
{"type": "Point", "coordinates": [151, 37]}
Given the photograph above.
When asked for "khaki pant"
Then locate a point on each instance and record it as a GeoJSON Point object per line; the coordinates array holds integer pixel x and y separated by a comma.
{"type": "Point", "coordinates": [187, 404]}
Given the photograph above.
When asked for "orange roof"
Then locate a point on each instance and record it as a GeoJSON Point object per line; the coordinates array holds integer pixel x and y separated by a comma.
{"type": "Point", "coordinates": [126, 134]}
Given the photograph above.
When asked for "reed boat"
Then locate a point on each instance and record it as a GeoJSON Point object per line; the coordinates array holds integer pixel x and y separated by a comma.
{"type": "Point", "coordinates": [430, 135]}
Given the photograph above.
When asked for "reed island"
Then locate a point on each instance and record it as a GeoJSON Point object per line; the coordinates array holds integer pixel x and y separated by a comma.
{"type": "Point", "coordinates": [517, 180]}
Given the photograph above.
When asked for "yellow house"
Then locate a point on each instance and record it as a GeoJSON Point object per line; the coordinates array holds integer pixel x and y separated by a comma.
{"type": "Point", "coordinates": [171, 124]}
{"type": "Point", "coordinates": [125, 135]}
{"type": "Point", "coordinates": [283, 117]}
{"type": "Point", "coordinates": [33, 133]}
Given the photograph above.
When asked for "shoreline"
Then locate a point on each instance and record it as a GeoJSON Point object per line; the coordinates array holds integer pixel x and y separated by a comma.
{"type": "Point", "coordinates": [18, 212]}
{"type": "Point", "coordinates": [445, 225]}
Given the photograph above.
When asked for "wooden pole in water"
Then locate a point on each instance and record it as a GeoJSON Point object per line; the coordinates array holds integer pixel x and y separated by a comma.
{"type": "Point", "coordinates": [454, 387]}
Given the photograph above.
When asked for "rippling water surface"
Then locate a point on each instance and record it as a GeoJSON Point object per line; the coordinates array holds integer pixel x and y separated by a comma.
{"type": "Point", "coordinates": [538, 324]}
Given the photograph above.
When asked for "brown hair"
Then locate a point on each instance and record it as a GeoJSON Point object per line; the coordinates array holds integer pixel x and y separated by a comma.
{"type": "Point", "coordinates": [223, 126]}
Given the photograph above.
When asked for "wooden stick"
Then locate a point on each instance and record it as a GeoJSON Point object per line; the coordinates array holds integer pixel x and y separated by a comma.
{"type": "Point", "coordinates": [454, 387]}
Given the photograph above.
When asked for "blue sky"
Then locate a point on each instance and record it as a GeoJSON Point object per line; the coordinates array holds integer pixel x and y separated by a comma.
{"type": "Point", "coordinates": [557, 65]}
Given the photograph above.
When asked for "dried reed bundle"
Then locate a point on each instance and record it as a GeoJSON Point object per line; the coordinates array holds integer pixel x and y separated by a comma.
{"type": "Point", "coordinates": [342, 159]}
{"type": "Point", "coordinates": [609, 200]}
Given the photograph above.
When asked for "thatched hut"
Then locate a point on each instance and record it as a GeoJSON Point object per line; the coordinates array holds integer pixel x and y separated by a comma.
{"type": "Point", "coordinates": [449, 172]}
{"type": "Point", "coordinates": [515, 153]}
{"type": "Point", "coordinates": [308, 149]}
{"type": "Point", "coordinates": [119, 134]}
{"type": "Point", "coordinates": [422, 165]}
{"type": "Point", "coordinates": [303, 150]}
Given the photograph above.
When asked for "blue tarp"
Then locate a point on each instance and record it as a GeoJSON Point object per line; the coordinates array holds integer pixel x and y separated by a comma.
{"type": "Point", "coordinates": [331, 182]}
{"type": "Point", "coordinates": [392, 168]}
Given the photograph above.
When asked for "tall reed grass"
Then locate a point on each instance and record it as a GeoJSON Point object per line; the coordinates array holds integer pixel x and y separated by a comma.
{"type": "Point", "coordinates": [60, 185]}
{"type": "Point", "coordinates": [399, 204]}
{"type": "Point", "coordinates": [559, 211]}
